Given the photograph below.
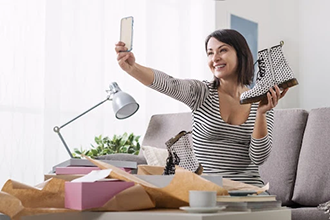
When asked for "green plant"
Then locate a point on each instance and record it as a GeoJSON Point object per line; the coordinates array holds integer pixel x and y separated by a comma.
{"type": "Point", "coordinates": [118, 144]}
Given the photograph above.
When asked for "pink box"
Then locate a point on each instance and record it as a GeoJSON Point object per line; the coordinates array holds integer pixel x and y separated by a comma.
{"type": "Point", "coordinates": [74, 170]}
{"type": "Point", "coordinates": [84, 195]}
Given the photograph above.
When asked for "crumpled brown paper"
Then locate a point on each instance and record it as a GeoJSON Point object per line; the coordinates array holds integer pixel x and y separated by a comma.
{"type": "Point", "coordinates": [17, 199]}
{"type": "Point", "coordinates": [227, 184]}
{"type": "Point", "coordinates": [133, 198]}
{"type": "Point", "coordinates": [49, 196]}
{"type": "Point", "coordinates": [150, 170]}
{"type": "Point", "coordinates": [175, 194]}
{"type": "Point", "coordinates": [235, 185]}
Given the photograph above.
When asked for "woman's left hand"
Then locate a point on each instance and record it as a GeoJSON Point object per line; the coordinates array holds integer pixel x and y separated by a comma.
{"type": "Point", "coordinates": [273, 96]}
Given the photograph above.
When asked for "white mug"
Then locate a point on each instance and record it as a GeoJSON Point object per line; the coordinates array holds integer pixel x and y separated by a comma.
{"type": "Point", "coordinates": [198, 198]}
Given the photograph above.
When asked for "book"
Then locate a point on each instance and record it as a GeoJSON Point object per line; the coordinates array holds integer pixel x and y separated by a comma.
{"type": "Point", "coordinates": [234, 206]}
{"type": "Point", "coordinates": [83, 162]}
{"type": "Point", "coordinates": [264, 205]}
{"type": "Point", "coordinates": [248, 198]}
{"type": "Point", "coordinates": [80, 170]}
{"type": "Point", "coordinates": [251, 206]}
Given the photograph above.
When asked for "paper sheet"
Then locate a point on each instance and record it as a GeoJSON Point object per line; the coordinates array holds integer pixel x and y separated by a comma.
{"type": "Point", "coordinates": [93, 176]}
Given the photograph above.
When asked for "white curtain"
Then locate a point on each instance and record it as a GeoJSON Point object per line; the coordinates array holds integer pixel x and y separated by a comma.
{"type": "Point", "coordinates": [57, 59]}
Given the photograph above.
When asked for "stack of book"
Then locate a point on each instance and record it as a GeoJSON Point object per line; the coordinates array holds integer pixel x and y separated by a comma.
{"type": "Point", "coordinates": [75, 168]}
{"type": "Point", "coordinates": [249, 202]}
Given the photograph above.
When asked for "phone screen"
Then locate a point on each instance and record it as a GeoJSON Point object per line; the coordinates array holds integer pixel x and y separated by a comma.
{"type": "Point", "coordinates": [126, 32]}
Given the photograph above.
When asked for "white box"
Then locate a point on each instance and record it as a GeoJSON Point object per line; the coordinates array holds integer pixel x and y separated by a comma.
{"type": "Point", "coordinates": [164, 180]}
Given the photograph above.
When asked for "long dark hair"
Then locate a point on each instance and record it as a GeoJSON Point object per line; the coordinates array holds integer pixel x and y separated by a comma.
{"type": "Point", "coordinates": [245, 67]}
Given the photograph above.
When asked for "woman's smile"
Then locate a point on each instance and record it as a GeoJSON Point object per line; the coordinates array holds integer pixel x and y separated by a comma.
{"type": "Point", "coordinates": [219, 67]}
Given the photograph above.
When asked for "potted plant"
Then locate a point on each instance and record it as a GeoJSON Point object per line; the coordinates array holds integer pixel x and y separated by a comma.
{"type": "Point", "coordinates": [117, 144]}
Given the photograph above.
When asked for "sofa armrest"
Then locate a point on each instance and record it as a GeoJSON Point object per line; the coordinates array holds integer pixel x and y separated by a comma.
{"type": "Point", "coordinates": [139, 159]}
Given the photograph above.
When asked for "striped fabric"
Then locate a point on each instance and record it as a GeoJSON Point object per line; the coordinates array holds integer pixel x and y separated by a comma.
{"type": "Point", "coordinates": [220, 147]}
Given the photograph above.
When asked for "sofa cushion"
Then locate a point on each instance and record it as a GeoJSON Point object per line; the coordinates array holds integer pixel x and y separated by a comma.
{"type": "Point", "coordinates": [308, 213]}
{"type": "Point", "coordinates": [162, 127]}
{"type": "Point", "coordinates": [313, 179]}
{"type": "Point", "coordinates": [280, 168]}
{"type": "Point", "coordinates": [155, 156]}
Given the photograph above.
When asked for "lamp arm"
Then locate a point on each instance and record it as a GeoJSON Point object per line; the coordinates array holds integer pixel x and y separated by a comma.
{"type": "Point", "coordinates": [57, 129]}
{"type": "Point", "coordinates": [63, 141]}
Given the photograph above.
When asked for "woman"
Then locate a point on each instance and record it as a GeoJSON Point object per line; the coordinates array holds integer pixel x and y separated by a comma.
{"type": "Point", "coordinates": [229, 138]}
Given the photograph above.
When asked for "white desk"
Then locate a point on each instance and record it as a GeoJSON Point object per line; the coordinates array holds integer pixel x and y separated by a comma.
{"type": "Point", "coordinates": [282, 214]}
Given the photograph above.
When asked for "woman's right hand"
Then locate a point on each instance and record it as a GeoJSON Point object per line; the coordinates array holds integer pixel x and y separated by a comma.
{"type": "Point", "coordinates": [126, 60]}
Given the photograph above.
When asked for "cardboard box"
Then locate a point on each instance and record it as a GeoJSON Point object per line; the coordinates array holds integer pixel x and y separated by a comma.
{"type": "Point", "coordinates": [86, 195]}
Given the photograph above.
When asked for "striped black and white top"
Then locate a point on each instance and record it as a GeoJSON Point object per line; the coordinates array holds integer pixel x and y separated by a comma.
{"type": "Point", "coordinates": [220, 147]}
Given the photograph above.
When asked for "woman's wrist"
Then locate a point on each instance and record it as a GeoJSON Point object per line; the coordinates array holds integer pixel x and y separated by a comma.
{"type": "Point", "coordinates": [261, 113]}
{"type": "Point", "coordinates": [143, 74]}
{"type": "Point", "coordinates": [260, 126]}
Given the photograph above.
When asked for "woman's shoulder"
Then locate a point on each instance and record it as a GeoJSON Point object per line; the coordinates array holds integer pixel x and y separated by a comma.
{"type": "Point", "coordinates": [208, 84]}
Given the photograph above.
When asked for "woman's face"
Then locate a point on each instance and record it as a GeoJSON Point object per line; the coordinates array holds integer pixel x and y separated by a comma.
{"type": "Point", "coordinates": [222, 59]}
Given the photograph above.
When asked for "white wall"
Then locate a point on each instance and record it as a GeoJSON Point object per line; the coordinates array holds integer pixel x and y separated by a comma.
{"type": "Point", "coordinates": [314, 44]}
{"type": "Point", "coordinates": [22, 43]}
{"type": "Point", "coordinates": [185, 56]}
{"type": "Point", "coordinates": [58, 58]}
{"type": "Point", "coordinates": [277, 20]}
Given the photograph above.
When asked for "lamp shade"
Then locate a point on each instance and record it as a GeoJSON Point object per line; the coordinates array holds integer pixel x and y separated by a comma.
{"type": "Point", "coordinates": [124, 105]}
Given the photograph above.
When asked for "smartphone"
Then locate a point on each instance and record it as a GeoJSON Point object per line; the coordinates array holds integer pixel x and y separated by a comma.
{"type": "Point", "coordinates": [126, 32]}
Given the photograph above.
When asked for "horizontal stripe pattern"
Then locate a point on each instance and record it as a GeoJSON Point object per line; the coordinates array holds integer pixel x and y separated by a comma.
{"type": "Point", "coordinates": [220, 147]}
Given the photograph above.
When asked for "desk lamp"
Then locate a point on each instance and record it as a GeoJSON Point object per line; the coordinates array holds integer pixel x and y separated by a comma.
{"type": "Point", "coordinates": [123, 106]}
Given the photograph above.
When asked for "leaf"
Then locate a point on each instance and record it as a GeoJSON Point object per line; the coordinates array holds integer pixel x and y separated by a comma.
{"type": "Point", "coordinates": [77, 151]}
{"type": "Point", "coordinates": [123, 149]}
{"type": "Point", "coordinates": [131, 138]}
{"type": "Point", "coordinates": [131, 150]}
{"type": "Point", "coordinates": [87, 153]}
{"type": "Point", "coordinates": [114, 137]}
{"type": "Point", "coordinates": [137, 138]}
{"type": "Point", "coordinates": [94, 152]}
{"type": "Point", "coordinates": [124, 138]}
{"type": "Point", "coordinates": [98, 139]}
